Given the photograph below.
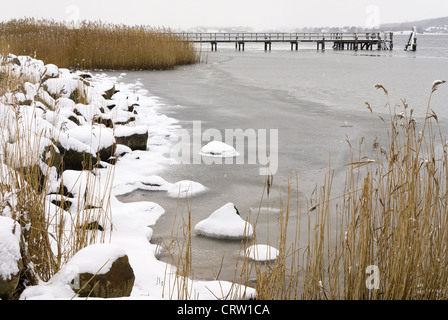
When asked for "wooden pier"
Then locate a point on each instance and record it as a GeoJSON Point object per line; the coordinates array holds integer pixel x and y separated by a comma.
{"type": "Point", "coordinates": [338, 41]}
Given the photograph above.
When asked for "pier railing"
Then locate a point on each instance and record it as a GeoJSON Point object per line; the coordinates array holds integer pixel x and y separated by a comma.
{"type": "Point", "coordinates": [280, 36]}
{"type": "Point", "coordinates": [341, 40]}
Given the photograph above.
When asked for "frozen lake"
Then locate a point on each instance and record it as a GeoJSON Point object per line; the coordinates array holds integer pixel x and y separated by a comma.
{"type": "Point", "coordinates": [316, 101]}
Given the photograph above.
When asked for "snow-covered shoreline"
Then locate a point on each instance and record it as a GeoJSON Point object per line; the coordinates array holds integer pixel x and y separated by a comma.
{"type": "Point", "coordinates": [112, 108]}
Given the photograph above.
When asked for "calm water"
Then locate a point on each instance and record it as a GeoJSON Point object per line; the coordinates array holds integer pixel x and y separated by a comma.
{"type": "Point", "coordinates": [316, 100]}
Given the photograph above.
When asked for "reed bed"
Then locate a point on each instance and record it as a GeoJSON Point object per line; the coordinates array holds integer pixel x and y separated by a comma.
{"type": "Point", "coordinates": [386, 236]}
{"type": "Point", "coordinates": [96, 45]}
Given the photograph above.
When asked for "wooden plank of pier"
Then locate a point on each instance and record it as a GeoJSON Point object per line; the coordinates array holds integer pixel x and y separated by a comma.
{"type": "Point", "coordinates": [341, 41]}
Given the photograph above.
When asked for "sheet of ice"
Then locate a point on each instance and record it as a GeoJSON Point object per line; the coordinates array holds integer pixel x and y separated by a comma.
{"type": "Point", "coordinates": [218, 149]}
{"type": "Point", "coordinates": [9, 247]}
{"type": "Point", "coordinates": [261, 252]}
{"type": "Point", "coordinates": [224, 223]}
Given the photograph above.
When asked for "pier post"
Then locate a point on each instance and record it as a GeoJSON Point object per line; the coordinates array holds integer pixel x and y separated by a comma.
{"type": "Point", "coordinates": [356, 42]}
{"type": "Point", "coordinates": [294, 44]}
{"type": "Point", "coordinates": [267, 45]}
{"type": "Point", "coordinates": [391, 36]}
{"type": "Point", "coordinates": [322, 43]}
{"type": "Point", "coordinates": [214, 45]}
{"type": "Point", "coordinates": [414, 44]}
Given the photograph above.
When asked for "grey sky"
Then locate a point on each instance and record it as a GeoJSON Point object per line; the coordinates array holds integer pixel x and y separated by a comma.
{"type": "Point", "coordinates": [258, 14]}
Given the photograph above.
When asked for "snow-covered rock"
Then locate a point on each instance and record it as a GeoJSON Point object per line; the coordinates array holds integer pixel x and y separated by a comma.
{"type": "Point", "coordinates": [135, 138]}
{"type": "Point", "coordinates": [261, 252]}
{"type": "Point", "coordinates": [10, 258]}
{"type": "Point", "coordinates": [185, 188]}
{"type": "Point", "coordinates": [225, 223]}
{"type": "Point", "coordinates": [51, 71]}
{"type": "Point", "coordinates": [99, 270]}
{"type": "Point", "coordinates": [218, 149]}
{"type": "Point", "coordinates": [100, 139]}
{"type": "Point", "coordinates": [62, 87]}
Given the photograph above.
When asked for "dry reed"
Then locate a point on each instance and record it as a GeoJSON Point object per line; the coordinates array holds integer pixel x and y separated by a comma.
{"type": "Point", "coordinates": [386, 236]}
{"type": "Point", "coordinates": [50, 234]}
{"type": "Point", "coordinates": [95, 45]}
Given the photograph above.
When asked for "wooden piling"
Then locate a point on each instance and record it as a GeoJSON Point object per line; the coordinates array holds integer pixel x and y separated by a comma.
{"type": "Point", "coordinates": [267, 45]}
{"type": "Point", "coordinates": [294, 45]}
{"type": "Point", "coordinates": [391, 39]}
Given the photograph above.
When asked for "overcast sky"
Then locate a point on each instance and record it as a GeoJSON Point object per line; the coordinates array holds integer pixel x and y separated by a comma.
{"type": "Point", "coordinates": [257, 14]}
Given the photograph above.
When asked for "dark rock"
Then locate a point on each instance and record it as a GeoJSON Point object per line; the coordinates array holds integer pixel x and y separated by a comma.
{"type": "Point", "coordinates": [105, 153]}
{"type": "Point", "coordinates": [125, 122]}
{"type": "Point", "coordinates": [85, 76]}
{"type": "Point", "coordinates": [109, 93]}
{"type": "Point", "coordinates": [74, 120]}
{"type": "Point", "coordinates": [9, 286]}
{"type": "Point", "coordinates": [106, 121]}
{"type": "Point", "coordinates": [117, 282]}
{"type": "Point", "coordinates": [16, 61]}
{"type": "Point", "coordinates": [64, 204]}
{"type": "Point", "coordinates": [136, 141]}
{"type": "Point", "coordinates": [75, 160]}
{"type": "Point", "coordinates": [93, 225]}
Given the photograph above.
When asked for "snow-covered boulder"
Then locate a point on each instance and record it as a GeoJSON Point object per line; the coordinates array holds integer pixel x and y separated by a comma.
{"type": "Point", "coordinates": [100, 270]}
{"type": "Point", "coordinates": [225, 223]}
{"type": "Point", "coordinates": [185, 188]}
{"type": "Point", "coordinates": [218, 149]}
{"type": "Point", "coordinates": [84, 190]}
{"type": "Point", "coordinates": [64, 87]}
{"type": "Point", "coordinates": [100, 139]}
{"type": "Point", "coordinates": [135, 138]}
{"type": "Point", "coordinates": [108, 89]}
{"type": "Point", "coordinates": [10, 258]}
{"type": "Point", "coordinates": [51, 71]}
{"type": "Point", "coordinates": [261, 252]}
{"type": "Point", "coordinates": [75, 154]}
